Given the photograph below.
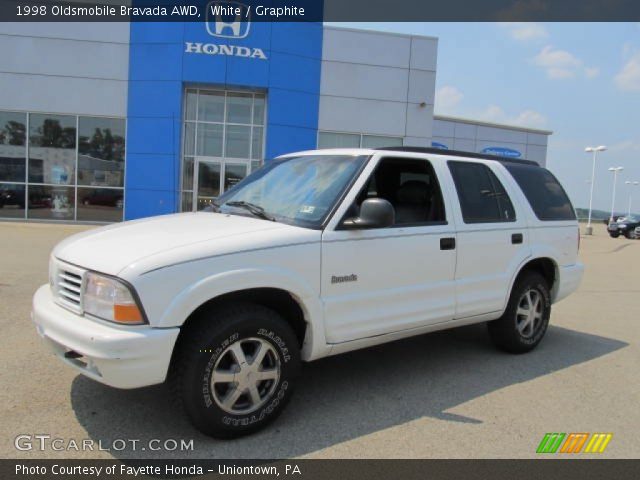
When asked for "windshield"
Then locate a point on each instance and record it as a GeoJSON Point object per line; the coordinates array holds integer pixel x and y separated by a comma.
{"type": "Point", "coordinates": [297, 190]}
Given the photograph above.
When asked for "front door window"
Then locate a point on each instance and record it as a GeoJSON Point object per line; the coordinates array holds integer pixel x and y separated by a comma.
{"type": "Point", "coordinates": [223, 137]}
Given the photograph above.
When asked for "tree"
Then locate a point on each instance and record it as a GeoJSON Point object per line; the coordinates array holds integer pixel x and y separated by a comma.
{"type": "Point", "coordinates": [15, 131]}
{"type": "Point", "coordinates": [107, 151]}
{"type": "Point", "coordinates": [96, 143]}
{"type": "Point", "coordinates": [50, 133]}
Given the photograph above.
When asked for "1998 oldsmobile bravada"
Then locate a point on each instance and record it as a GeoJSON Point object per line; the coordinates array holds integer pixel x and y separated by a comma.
{"type": "Point", "coordinates": [315, 254]}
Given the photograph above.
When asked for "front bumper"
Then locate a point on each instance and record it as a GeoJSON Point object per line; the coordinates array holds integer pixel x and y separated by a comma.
{"type": "Point", "coordinates": [570, 278]}
{"type": "Point", "coordinates": [119, 356]}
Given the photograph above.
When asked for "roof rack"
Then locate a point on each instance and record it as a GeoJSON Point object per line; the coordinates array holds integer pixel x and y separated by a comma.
{"type": "Point", "coordinates": [459, 153]}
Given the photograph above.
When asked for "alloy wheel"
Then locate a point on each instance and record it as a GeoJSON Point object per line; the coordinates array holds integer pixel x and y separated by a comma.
{"type": "Point", "coordinates": [245, 376]}
{"type": "Point", "coordinates": [529, 313]}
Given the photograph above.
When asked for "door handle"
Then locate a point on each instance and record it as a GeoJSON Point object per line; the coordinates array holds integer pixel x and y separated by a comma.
{"type": "Point", "coordinates": [448, 243]}
{"type": "Point", "coordinates": [516, 238]}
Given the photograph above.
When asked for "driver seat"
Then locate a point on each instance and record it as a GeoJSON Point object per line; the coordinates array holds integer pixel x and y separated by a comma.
{"type": "Point", "coordinates": [413, 202]}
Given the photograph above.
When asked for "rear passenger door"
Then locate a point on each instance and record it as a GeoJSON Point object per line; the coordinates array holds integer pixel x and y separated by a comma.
{"type": "Point", "coordinates": [492, 237]}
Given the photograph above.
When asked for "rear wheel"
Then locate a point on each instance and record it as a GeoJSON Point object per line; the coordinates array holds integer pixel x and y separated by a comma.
{"type": "Point", "coordinates": [526, 317]}
{"type": "Point", "coordinates": [235, 369]}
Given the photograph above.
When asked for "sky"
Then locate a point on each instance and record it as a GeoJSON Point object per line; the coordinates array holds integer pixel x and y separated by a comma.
{"type": "Point", "coordinates": [580, 80]}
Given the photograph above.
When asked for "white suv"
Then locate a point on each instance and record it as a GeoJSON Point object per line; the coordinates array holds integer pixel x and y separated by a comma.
{"type": "Point", "coordinates": [315, 254]}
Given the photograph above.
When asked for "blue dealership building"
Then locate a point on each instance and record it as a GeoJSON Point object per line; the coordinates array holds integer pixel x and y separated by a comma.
{"type": "Point", "coordinates": [101, 122]}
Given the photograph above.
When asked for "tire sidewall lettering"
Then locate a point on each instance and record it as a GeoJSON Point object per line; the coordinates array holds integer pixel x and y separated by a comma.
{"type": "Point", "coordinates": [277, 341]}
{"type": "Point", "coordinates": [206, 378]}
{"type": "Point", "coordinates": [263, 413]}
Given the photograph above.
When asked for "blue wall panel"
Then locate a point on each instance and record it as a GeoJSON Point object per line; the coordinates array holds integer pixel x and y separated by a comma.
{"type": "Point", "coordinates": [160, 68]}
{"type": "Point", "coordinates": [295, 109]}
{"type": "Point", "coordinates": [303, 39]}
{"type": "Point", "coordinates": [151, 99]}
{"type": "Point", "coordinates": [159, 168]}
{"type": "Point", "coordinates": [146, 202]}
{"type": "Point", "coordinates": [293, 72]}
{"type": "Point", "coordinates": [285, 139]}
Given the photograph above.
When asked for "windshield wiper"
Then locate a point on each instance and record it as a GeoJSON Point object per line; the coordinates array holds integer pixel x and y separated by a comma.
{"type": "Point", "coordinates": [254, 209]}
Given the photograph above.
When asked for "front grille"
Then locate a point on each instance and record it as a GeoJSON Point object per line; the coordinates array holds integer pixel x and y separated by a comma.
{"type": "Point", "coordinates": [68, 284]}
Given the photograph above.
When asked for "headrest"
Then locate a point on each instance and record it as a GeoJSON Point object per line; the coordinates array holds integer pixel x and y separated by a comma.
{"type": "Point", "coordinates": [413, 191]}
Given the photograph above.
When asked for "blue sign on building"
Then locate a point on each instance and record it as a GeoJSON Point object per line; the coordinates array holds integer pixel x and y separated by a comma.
{"type": "Point", "coordinates": [281, 60]}
{"type": "Point", "coordinates": [502, 152]}
{"type": "Point", "coordinates": [439, 145]}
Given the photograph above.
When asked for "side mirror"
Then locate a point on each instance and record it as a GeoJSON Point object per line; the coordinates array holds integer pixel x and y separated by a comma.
{"type": "Point", "coordinates": [374, 213]}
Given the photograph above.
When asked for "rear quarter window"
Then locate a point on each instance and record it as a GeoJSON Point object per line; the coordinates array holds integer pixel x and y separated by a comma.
{"type": "Point", "coordinates": [543, 191]}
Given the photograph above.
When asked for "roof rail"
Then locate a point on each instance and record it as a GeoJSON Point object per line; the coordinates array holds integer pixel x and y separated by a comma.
{"type": "Point", "coordinates": [458, 153]}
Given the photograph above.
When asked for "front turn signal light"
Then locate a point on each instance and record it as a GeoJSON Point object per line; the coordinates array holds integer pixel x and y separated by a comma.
{"type": "Point", "coordinates": [110, 299]}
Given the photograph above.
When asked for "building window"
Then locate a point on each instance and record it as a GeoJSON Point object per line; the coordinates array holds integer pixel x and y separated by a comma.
{"type": "Point", "coordinates": [13, 141]}
{"type": "Point", "coordinates": [338, 140]}
{"type": "Point", "coordinates": [223, 138]}
{"type": "Point", "coordinates": [377, 141]}
{"type": "Point", "coordinates": [355, 140]}
{"type": "Point", "coordinates": [50, 165]}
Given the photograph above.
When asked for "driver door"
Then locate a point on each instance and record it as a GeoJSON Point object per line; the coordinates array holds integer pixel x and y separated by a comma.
{"type": "Point", "coordinates": [383, 280]}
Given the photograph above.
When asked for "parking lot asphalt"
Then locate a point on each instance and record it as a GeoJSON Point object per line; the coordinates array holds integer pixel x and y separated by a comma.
{"type": "Point", "coordinates": [444, 395]}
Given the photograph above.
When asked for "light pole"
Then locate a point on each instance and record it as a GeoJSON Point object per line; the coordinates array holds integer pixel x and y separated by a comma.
{"type": "Point", "coordinates": [594, 150]}
{"type": "Point", "coordinates": [615, 171]}
{"type": "Point", "coordinates": [632, 184]}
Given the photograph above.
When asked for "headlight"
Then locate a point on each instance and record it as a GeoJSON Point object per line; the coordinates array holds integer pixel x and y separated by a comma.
{"type": "Point", "coordinates": [110, 299]}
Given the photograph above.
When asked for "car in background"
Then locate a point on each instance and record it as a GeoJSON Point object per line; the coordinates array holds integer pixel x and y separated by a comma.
{"type": "Point", "coordinates": [15, 197]}
{"type": "Point", "coordinates": [12, 197]}
{"type": "Point", "coordinates": [624, 226]}
{"type": "Point", "coordinates": [105, 198]}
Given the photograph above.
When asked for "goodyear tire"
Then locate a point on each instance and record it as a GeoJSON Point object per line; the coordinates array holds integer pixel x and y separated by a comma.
{"type": "Point", "coordinates": [234, 369]}
{"type": "Point", "coordinates": [526, 318]}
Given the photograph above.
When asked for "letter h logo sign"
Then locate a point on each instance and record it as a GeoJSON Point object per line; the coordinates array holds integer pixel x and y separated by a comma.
{"type": "Point", "coordinates": [228, 19]}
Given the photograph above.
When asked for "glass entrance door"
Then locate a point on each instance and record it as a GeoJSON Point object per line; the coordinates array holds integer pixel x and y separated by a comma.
{"type": "Point", "coordinates": [215, 176]}
{"type": "Point", "coordinates": [223, 137]}
{"type": "Point", "coordinates": [233, 173]}
{"type": "Point", "coordinates": [207, 182]}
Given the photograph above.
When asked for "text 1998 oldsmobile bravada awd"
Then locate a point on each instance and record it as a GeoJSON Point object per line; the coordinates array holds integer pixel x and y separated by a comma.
{"type": "Point", "coordinates": [315, 254]}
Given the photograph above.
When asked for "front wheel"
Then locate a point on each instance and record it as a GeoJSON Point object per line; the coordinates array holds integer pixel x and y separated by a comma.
{"type": "Point", "coordinates": [235, 369]}
{"type": "Point", "coordinates": [526, 318]}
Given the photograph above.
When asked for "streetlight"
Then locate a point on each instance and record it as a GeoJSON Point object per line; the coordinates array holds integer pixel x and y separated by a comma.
{"type": "Point", "coordinates": [594, 150]}
{"type": "Point", "coordinates": [615, 171]}
{"type": "Point", "coordinates": [633, 184]}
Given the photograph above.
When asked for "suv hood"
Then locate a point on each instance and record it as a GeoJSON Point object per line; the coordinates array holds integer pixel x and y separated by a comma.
{"type": "Point", "coordinates": [145, 243]}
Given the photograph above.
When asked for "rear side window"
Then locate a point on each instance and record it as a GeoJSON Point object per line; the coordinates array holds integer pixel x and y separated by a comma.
{"type": "Point", "coordinates": [482, 197]}
{"type": "Point", "coordinates": [543, 191]}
